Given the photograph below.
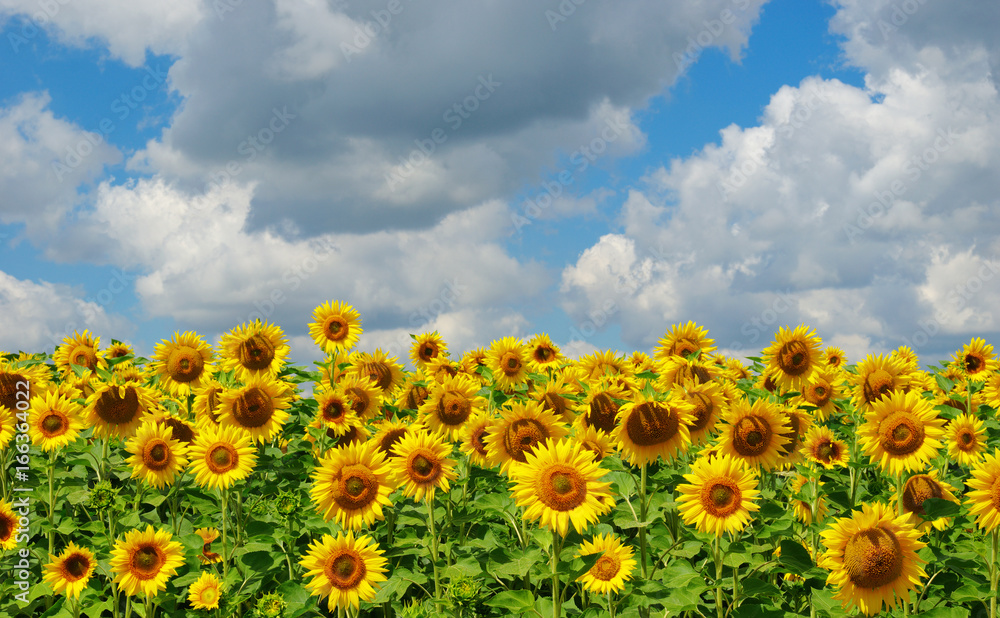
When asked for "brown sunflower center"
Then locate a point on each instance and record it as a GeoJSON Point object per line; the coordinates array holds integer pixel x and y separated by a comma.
{"type": "Point", "coordinates": [873, 558]}
{"type": "Point", "coordinates": [561, 487]}
{"type": "Point", "coordinates": [818, 394]}
{"type": "Point", "coordinates": [358, 487]}
{"type": "Point", "coordinates": [390, 439]}
{"type": "Point", "coordinates": [54, 424]}
{"type": "Point", "coordinates": [826, 451]}
{"type": "Point", "coordinates": [795, 424]}
{"type": "Point", "coordinates": [877, 384]}
{"type": "Point", "coordinates": [116, 410]}
{"type": "Point", "coordinates": [606, 567]}
{"type": "Point", "coordinates": [428, 352]}
{"type": "Point", "coordinates": [222, 458]}
{"type": "Point", "coordinates": [336, 328]}
{"type": "Point", "coordinates": [256, 352]}
{"type": "Point", "coordinates": [415, 397]}
{"type": "Point", "coordinates": [147, 561]}
{"type": "Point", "coordinates": [75, 567]}
{"type": "Point", "coordinates": [702, 411]}
{"type": "Point", "coordinates": [721, 497]}
{"type": "Point", "coordinates": [380, 373]}
{"type": "Point", "coordinates": [543, 354]}
{"type": "Point", "coordinates": [360, 401]}
{"type": "Point", "coordinates": [966, 440]}
{"type": "Point", "coordinates": [185, 364]}
{"type": "Point", "coordinates": [83, 355]}
{"type": "Point", "coordinates": [555, 403]}
{"type": "Point", "coordinates": [212, 402]}
{"type": "Point", "coordinates": [10, 385]}
{"type": "Point", "coordinates": [345, 569]}
{"type": "Point", "coordinates": [603, 411]}
{"type": "Point", "coordinates": [918, 489]}
{"type": "Point", "coordinates": [901, 433]}
{"type": "Point", "coordinates": [7, 526]}
{"type": "Point", "coordinates": [651, 423]}
{"type": "Point", "coordinates": [156, 454]}
{"type": "Point", "coordinates": [973, 363]}
{"type": "Point", "coordinates": [479, 440]}
{"type": "Point", "coordinates": [751, 436]}
{"type": "Point", "coordinates": [510, 363]}
{"type": "Point", "coordinates": [793, 358]}
{"type": "Point", "coordinates": [181, 430]}
{"type": "Point", "coordinates": [424, 467]}
{"type": "Point", "coordinates": [253, 408]}
{"type": "Point", "coordinates": [833, 360]}
{"type": "Point", "coordinates": [454, 408]}
{"type": "Point", "coordinates": [334, 410]}
{"type": "Point", "coordinates": [522, 435]}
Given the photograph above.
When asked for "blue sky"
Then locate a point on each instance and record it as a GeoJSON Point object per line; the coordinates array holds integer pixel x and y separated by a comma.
{"type": "Point", "coordinates": [191, 167]}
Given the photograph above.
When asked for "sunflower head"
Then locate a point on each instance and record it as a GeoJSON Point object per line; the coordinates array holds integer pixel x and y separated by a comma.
{"type": "Point", "coordinates": [426, 348]}
{"type": "Point", "coordinates": [347, 568]}
{"type": "Point", "coordinates": [966, 439]}
{"type": "Point", "coordinates": [508, 360]}
{"type": "Point", "coordinates": [615, 566]}
{"type": "Point", "coordinates": [755, 432]}
{"type": "Point", "coordinates": [380, 368]}
{"type": "Point", "coordinates": [719, 494]}
{"type": "Point", "coordinates": [157, 457]}
{"type": "Point", "coordinates": [976, 360]}
{"type": "Point", "coordinates": [54, 420]}
{"type": "Point", "coordinates": [144, 560]}
{"type": "Point", "coordinates": [69, 572]}
{"type": "Point", "coordinates": [258, 408]}
{"type": "Point", "coordinates": [336, 326]}
{"type": "Point", "coordinates": [183, 363]}
{"type": "Point", "coordinates": [205, 592]}
{"type": "Point", "coordinates": [917, 490]}
{"type": "Point", "coordinates": [220, 456]}
{"type": "Point", "coordinates": [793, 356]}
{"type": "Point", "coordinates": [519, 430]}
{"type": "Point", "coordinates": [901, 432]}
{"type": "Point", "coordinates": [80, 350]}
{"type": "Point", "coordinates": [254, 349]}
{"type": "Point", "coordinates": [423, 465]}
{"type": "Point", "coordinates": [543, 354]}
{"type": "Point", "coordinates": [118, 409]}
{"type": "Point", "coordinates": [648, 429]}
{"type": "Point", "coordinates": [684, 340]}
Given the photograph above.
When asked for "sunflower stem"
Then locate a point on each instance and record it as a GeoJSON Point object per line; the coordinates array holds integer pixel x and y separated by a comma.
{"type": "Point", "coordinates": [642, 518]}
{"type": "Point", "coordinates": [717, 554]}
{"type": "Point", "coordinates": [52, 501]}
{"type": "Point", "coordinates": [611, 605]}
{"type": "Point", "coordinates": [556, 599]}
{"type": "Point", "coordinates": [434, 552]}
{"type": "Point", "coordinates": [993, 574]}
{"type": "Point", "coordinates": [223, 499]}
{"type": "Point", "coordinates": [102, 472]}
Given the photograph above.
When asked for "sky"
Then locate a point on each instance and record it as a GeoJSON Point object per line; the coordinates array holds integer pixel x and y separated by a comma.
{"type": "Point", "coordinates": [595, 170]}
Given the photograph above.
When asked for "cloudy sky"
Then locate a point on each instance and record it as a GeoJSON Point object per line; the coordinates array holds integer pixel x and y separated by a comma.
{"type": "Point", "coordinates": [593, 169]}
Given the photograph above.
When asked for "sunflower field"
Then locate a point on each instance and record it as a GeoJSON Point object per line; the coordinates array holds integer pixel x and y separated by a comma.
{"type": "Point", "coordinates": [506, 481]}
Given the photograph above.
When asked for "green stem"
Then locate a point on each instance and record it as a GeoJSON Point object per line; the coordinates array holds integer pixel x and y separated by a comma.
{"type": "Point", "coordinates": [52, 501]}
{"type": "Point", "coordinates": [993, 574]}
{"type": "Point", "coordinates": [611, 605]}
{"type": "Point", "coordinates": [717, 554]}
{"type": "Point", "coordinates": [224, 499]}
{"type": "Point", "coordinates": [556, 598]}
{"type": "Point", "coordinates": [642, 519]}
{"type": "Point", "coordinates": [102, 472]}
{"type": "Point", "coordinates": [434, 551]}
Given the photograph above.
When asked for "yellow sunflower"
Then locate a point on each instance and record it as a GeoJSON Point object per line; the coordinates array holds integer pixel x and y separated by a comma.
{"type": "Point", "coordinates": [901, 432]}
{"type": "Point", "coordinates": [521, 428]}
{"type": "Point", "coordinates": [872, 556]}
{"type": "Point", "coordinates": [803, 508]}
{"type": "Point", "coordinates": [205, 592]}
{"type": "Point", "coordinates": [799, 422]}
{"type": "Point", "coordinates": [648, 429]}
{"type": "Point", "coordinates": [684, 340]}
{"type": "Point", "coordinates": [346, 568]}
{"type": "Point", "coordinates": [336, 326]}
{"type": "Point", "coordinates": [600, 408]}
{"type": "Point", "coordinates": [352, 484]}
{"type": "Point", "coordinates": [820, 391]}
{"type": "Point", "coordinates": [414, 392]}
{"type": "Point", "coordinates": [976, 360]}
{"type": "Point", "coordinates": [966, 439]}
{"type": "Point", "coordinates": [707, 401]}
{"type": "Point", "coordinates": [208, 536]}
{"type": "Point", "coordinates": [426, 348]}
{"type": "Point", "coordinates": [363, 393]}
{"type": "Point", "coordinates": [118, 409]}
{"type": "Point", "coordinates": [719, 494]}
{"type": "Point", "coordinates": [335, 411]}
{"type": "Point", "coordinates": [508, 360]}
{"type": "Point", "coordinates": [820, 445]}
{"type": "Point", "coordinates": [793, 356]}
{"type": "Point", "coordinates": [144, 560]}
{"type": "Point", "coordinates": [221, 456]}
{"type": "Point", "coordinates": [20, 383]}
{"type": "Point", "coordinates": [206, 403]}
{"type": "Point", "coordinates": [640, 362]}
{"type": "Point", "coordinates": [473, 360]}
{"type": "Point", "coordinates": [81, 350]}
{"type": "Point", "coordinates": [256, 349]}
{"type": "Point", "coordinates": [558, 484]}
{"type": "Point", "coordinates": [603, 363]}
{"type": "Point", "coordinates": [54, 420]}
{"type": "Point", "coordinates": [754, 433]}
{"type": "Point", "coordinates": [381, 368]}
{"type": "Point", "coordinates": [388, 433]}
{"type": "Point", "coordinates": [183, 363]}
{"type": "Point", "coordinates": [834, 357]}
{"type": "Point", "coordinates": [9, 525]}
{"type": "Point", "coordinates": [984, 499]}
{"type": "Point", "coordinates": [259, 407]}
{"type": "Point", "coordinates": [451, 404]}
{"type": "Point", "coordinates": [595, 441]}
{"type": "Point", "coordinates": [991, 391]}
{"type": "Point", "coordinates": [117, 349]}
{"type": "Point", "coordinates": [157, 457]}
{"type": "Point", "coordinates": [543, 354]}
{"type": "Point", "coordinates": [422, 465]}
{"type": "Point", "coordinates": [919, 488]}
{"type": "Point", "coordinates": [69, 572]}
{"type": "Point", "coordinates": [554, 396]}
{"type": "Point", "coordinates": [675, 370]}
{"type": "Point", "coordinates": [876, 376]}
{"type": "Point", "coordinates": [473, 439]}
{"type": "Point", "coordinates": [612, 569]}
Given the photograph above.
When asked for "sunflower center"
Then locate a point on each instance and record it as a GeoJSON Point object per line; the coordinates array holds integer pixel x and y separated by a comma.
{"type": "Point", "coordinates": [543, 354]}
{"type": "Point", "coordinates": [826, 451]}
{"type": "Point", "coordinates": [390, 439]}
{"type": "Point", "coordinates": [212, 403]}
{"type": "Point", "coordinates": [973, 363]}
{"type": "Point", "coordinates": [9, 387]}
{"type": "Point", "coordinates": [6, 527]}
{"type": "Point", "coordinates": [359, 400]}
{"type": "Point", "coordinates": [603, 411]}
{"type": "Point", "coordinates": [253, 408]}
{"type": "Point", "coordinates": [146, 562]}
{"type": "Point", "coordinates": [877, 384]}
{"type": "Point", "coordinates": [222, 458]}
{"type": "Point", "coordinates": [522, 436]}
{"type": "Point", "coordinates": [424, 469]}
{"type": "Point", "coordinates": [181, 430]}
{"type": "Point", "coordinates": [793, 358]}
{"type": "Point", "coordinates": [358, 487]}
{"type": "Point", "coordinates": [209, 595]}
{"type": "Point", "coordinates": [818, 394]}
{"type": "Point", "coordinates": [156, 454]}
{"type": "Point", "coordinates": [901, 434]}
{"type": "Point", "coordinates": [334, 411]}
{"type": "Point", "coordinates": [479, 441]}
{"type": "Point", "coordinates": [561, 487]}
{"type": "Point", "coordinates": [554, 403]}
{"type": "Point", "coordinates": [606, 567]}
{"type": "Point", "coordinates": [751, 436]}
{"type": "Point", "coordinates": [685, 348]}
{"type": "Point", "coordinates": [702, 411]}
{"type": "Point", "coordinates": [721, 497]}
{"type": "Point", "coordinates": [428, 352]}
{"type": "Point", "coordinates": [76, 566]}
{"type": "Point", "coordinates": [794, 422]}
{"type": "Point", "coordinates": [381, 373]}
{"type": "Point", "coordinates": [454, 408]}
{"type": "Point", "coordinates": [651, 423]}
{"type": "Point", "coordinates": [116, 410]}
{"type": "Point", "coordinates": [918, 489]}
{"type": "Point", "coordinates": [510, 363]}
{"type": "Point", "coordinates": [966, 439]}
{"type": "Point", "coordinates": [873, 558]}
{"type": "Point", "coordinates": [336, 328]}
{"type": "Point", "coordinates": [185, 364]}
{"type": "Point", "coordinates": [84, 356]}
{"type": "Point", "coordinates": [256, 353]}
{"type": "Point", "coordinates": [54, 424]}
{"type": "Point", "coordinates": [416, 397]}
{"type": "Point", "coordinates": [345, 569]}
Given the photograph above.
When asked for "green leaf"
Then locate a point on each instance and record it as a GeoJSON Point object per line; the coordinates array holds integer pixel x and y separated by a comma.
{"type": "Point", "coordinates": [258, 560]}
{"type": "Point", "coordinates": [794, 557]}
{"type": "Point", "coordinates": [935, 508]}
{"type": "Point", "coordinates": [945, 384]}
{"type": "Point", "coordinates": [757, 588]}
{"type": "Point", "coordinates": [514, 600]}
{"type": "Point", "coordinates": [754, 610]}
{"type": "Point", "coordinates": [505, 564]}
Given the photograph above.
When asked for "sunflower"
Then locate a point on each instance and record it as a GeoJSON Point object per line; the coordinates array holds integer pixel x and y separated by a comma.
{"type": "Point", "coordinates": [799, 422]}
{"type": "Point", "coordinates": [118, 409]}
{"type": "Point", "coordinates": [259, 407]}
{"type": "Point", "coordinates": [54, 420]}
{"type": "Point", "coordinates": [834, 357]}
{"type": "Point", "coordinates": [388, 433]}
{"type": "Point", "coordinates": [206, 403]}
{"type": "Point", "coordinates": [719, 494]}
{"type": "Point", "coordinates": [335, 326]}
{"type": "Point", "coordinates": [966, 439]}
{"type": "Point", "coordinates": [335, 411]}
{"type": "Point", "coordinates": [640, 362]}
{"type": "Point", "coordinates": [794, 356]}
{"type": "Point", "coordinates": [422, 464]}
{"type": "Point", "coordinates": [820, 445]}
{"type": "Point", "coordinates": [205, 592]}
{"type": "Point", "coordinates": [345, 568]}
{"type": "Point", "coordinates": [600, 408]}
{"type": "Point", "coordinates": [803, 508]}
{"type": "Point", "coordinates": [543, 354]}
{"type": "Point", "coordinates": [919, 488]}
{"type": "Point", "coordinates": [612, 569]}
{"type": "Point", "coordinates": [820, 391]}
{"type": "Point", "coordinates": [184, 432]}
{"type": "Point", "coordinates": [220, 456]}
{"type": "Point", "coordinates": [675, 370]}
{"type": "Point", "coordinates": [755, 433]}
{"type": "Point", "coordinates": [414, 392]}
{"type": "Point", "coordinates": [450, 405]}
{"type": "Point", "coordinates": [684, 340]}
{"type": "Point", "coordinates": [208, 536]}
{"type": "Point", "coordinates": [901, 432]}
{"type": "Point", "coordinates": [69, 572]}
{"type": "Point", "coordinates": [427, 347]}
{"type": "Point", "coordinates": [520, 429]}
{"type": "Point", "coordinates": [976, 360]}
{"type": "Point", "coordinates": [872, 556]}
{"type": "Point", "coordinates": [554, 396]}
{"type": "Point", "coordinates": [253, 349]}
{"type": "Point", "coordinates": [876, 376]}
{"type": "Point", "coordinates": [383, 369]}
{"type": "Point", "coordinates": [508, 360]}
{"type": "Point", "coordinates": [473, 439]}
{"type": "Point", "coordinates": [603, 363]}
{"type": "Point", "coordinates": [352, 484]}
{"type": "Point", "coordinates": [648, 429]}
{"type": "Point", "coordinates": [144, 560]}
{"type": "Point", "coordinates": [558, 484]}
{"type": "Point", "coordinates": [81, 350]}
{"type": "Point", "coordinates": [157, 457]}
{"type": "Point", "coordinates": [363, 393]}
{"type": "Point", "coordinates": [984, 500]}
{"type": "Point", "coordinates": [9, 526]}
{"type": "Point", "coordinates": [991, 391]}
{"type": "Point", "coordinates": [595, 441]}
{"type": "Point", "coordinates": [707, 401]}
{"type": "Point", "coordinates": [183, 363]}
{"type": "Point", "coordinates": [17, 378]}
